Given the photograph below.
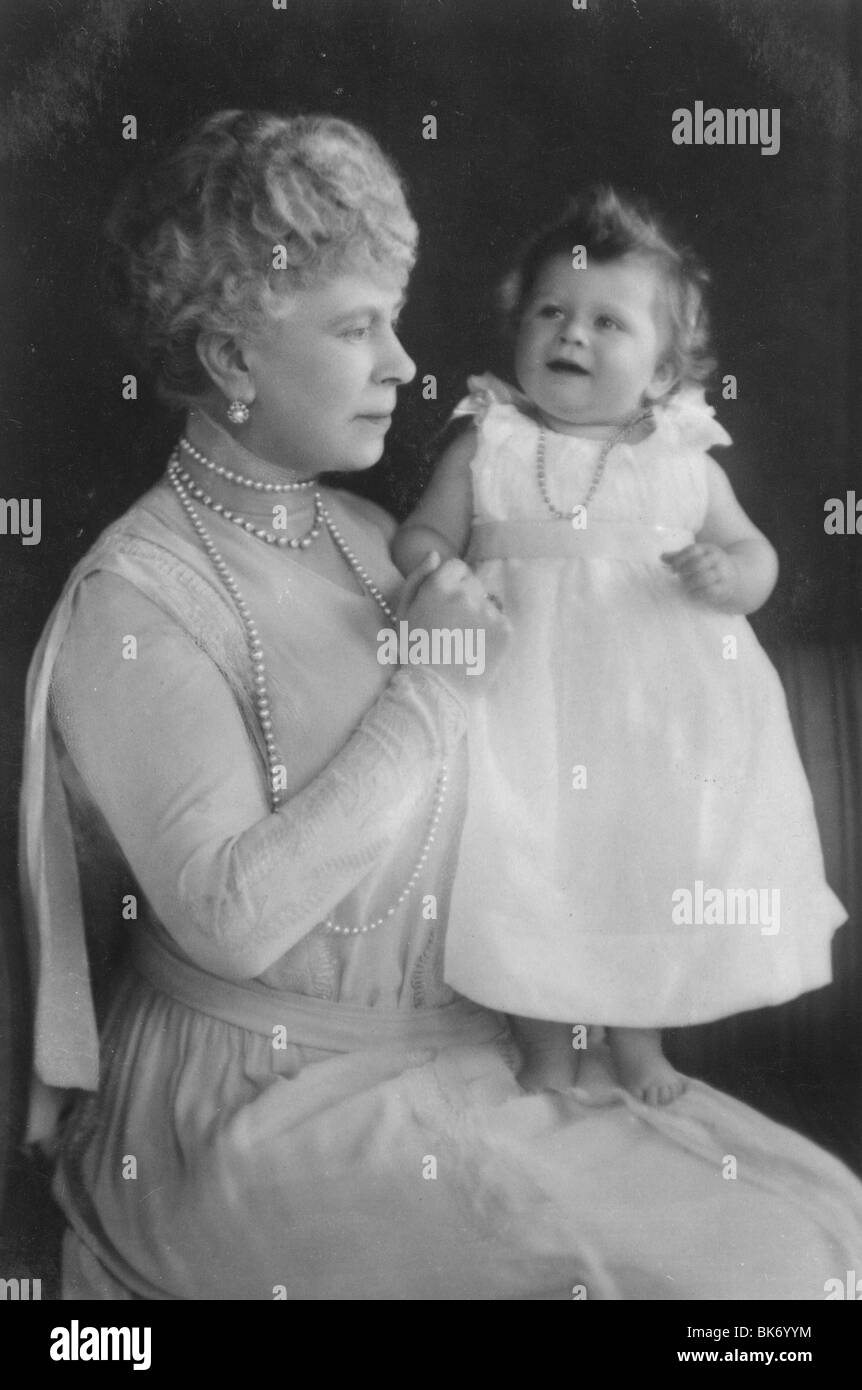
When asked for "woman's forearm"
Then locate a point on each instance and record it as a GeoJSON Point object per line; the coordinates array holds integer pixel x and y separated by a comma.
{"type": "Point", "coordinates": [284, 875]}
{"type": "Point", "coordinates": [163, 751]}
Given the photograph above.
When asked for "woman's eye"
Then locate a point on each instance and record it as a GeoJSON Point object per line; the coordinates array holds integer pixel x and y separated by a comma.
{"type": "Point", "coordinates": [358, 333]}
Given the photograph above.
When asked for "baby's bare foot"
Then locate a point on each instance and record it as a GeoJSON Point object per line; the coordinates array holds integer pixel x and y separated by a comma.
{"type": "Point", "coordinates": [548, 1060]}
{"type": "Point", "coordinates": [642, 1066]}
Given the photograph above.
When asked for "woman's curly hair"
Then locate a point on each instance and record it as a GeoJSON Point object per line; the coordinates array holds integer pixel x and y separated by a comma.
{"type": "Point", "coordinates": [610, 226]}
{"type": "Point", "coordinates": [245, 210]}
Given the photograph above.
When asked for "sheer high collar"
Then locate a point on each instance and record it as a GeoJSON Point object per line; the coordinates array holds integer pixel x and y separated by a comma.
{"type": "Point", "coordinates": [207, 435]}
{"type": "Point", "coordinates": [217, 445]}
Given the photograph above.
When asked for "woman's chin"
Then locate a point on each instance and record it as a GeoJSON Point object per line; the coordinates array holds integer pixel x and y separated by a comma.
{"type": "Point", "coordinates": [359, 460]}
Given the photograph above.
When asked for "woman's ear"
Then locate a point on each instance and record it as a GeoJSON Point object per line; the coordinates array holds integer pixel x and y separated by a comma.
{"type": "Point", "coordinates": [221, 356]}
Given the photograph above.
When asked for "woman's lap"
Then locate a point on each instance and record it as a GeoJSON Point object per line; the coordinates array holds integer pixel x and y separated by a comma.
{"type": "Point", "coordinates": [213, 1166]}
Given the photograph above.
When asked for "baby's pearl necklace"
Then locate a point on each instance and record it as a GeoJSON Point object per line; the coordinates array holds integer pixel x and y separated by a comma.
{"type": "Point", "coordinates": [625, 429]}
{"type": "Point", "coordinates": [183, 485]}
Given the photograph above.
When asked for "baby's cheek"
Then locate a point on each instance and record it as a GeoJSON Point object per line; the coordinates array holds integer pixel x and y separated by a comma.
{"type": "Point", "coordinates": [526, 359]}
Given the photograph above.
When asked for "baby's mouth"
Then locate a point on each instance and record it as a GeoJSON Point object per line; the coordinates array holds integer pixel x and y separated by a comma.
{"type": "Point", "coordinates": [559, 364]}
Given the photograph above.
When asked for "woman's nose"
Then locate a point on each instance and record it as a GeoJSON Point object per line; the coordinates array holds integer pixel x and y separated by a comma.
{"type": "Point", "coordinates": [395, 364]}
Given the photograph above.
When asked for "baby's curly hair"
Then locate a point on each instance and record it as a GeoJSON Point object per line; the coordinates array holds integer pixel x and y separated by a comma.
{"type": "Point", "coordinates": [610, 226]}
{"type": "Point", "coordinates": [190, 242]}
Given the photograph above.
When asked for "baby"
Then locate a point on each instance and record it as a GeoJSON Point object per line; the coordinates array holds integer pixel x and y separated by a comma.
{"type": "Point", "coordinates": [636, 741]}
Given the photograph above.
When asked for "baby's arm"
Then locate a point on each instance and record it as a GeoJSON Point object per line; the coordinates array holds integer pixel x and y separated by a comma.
{"type": "Point", "coordinates": [731, 564]}
{"type": "Point", "coordinates": [442, 519]}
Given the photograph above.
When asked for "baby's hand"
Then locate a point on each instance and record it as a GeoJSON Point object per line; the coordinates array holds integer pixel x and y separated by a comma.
{"type": "Point", "coordinates": [707, 572]}
{"type": "Point", "coordinates": [450, 596]}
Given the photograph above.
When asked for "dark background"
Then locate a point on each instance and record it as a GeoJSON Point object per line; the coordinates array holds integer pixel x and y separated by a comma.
{"type": "Point", "coordinates": [532, 100]}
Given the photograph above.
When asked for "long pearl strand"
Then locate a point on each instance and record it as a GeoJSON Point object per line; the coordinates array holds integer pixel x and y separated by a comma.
{"type": "Point", "coordinates": [183, 485]}
{"type": "Point", "coordinates": [616, 438]}
{"type": "Point", "coordinates": [359, 570]}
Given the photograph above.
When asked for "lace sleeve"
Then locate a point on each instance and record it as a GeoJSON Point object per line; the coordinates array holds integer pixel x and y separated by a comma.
{"type": "Point", "coordinates": [162, 750]}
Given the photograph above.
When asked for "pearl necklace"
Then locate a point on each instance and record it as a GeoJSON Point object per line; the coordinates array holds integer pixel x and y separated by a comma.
{"type": "Point", "coordinates": [237, 478]}
{"type": "Point", "coordinates": [359, 570]}
{"type": "Point", "coordinates": [294, 542]}
{"type": "Point", "coordinates": [625, 429]}
{"type": "Point", "coordinates": [291, 542]}
{"type": "Point", "coordinates": [183, 485]}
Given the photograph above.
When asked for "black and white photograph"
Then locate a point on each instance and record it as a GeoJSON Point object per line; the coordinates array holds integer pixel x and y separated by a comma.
{"type": "Point", "coordinates": [431, 593]}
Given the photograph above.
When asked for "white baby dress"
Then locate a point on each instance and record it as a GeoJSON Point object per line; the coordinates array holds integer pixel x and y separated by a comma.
{"type": "Point", "coordinates": [640, 847]}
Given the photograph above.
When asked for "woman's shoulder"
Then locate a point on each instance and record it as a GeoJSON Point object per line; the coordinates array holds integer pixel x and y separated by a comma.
{"type": "Point", "coordinates": [145, 551]}
{"type": "Point", "coordinates": [149, 532]}
{"type": "Point", "coordinates": [140, 580]}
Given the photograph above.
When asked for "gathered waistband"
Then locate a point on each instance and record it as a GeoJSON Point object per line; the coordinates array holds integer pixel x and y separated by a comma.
{"type": "Point", "coordinates": [537, 540]}
{"type": "Point", "coordinates": [318, 1023]}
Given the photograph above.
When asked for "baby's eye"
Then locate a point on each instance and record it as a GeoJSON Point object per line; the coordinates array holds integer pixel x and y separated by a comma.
{"type": "Point", "coordinates": [549, 311]}
{"type": "Point", "coordinates": [605, 321]}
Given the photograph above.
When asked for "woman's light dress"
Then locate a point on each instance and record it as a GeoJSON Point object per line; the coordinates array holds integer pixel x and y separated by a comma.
{"type": "Point", "coordinates": [343, 1126]}
{"type": "Point", "coordinates": [640, 845]}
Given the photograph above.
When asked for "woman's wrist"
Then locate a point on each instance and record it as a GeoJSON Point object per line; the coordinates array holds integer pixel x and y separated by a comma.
{"type": "Point", "coordinates": [438, 696]}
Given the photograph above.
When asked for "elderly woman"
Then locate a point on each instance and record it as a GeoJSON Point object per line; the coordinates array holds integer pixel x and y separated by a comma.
{"type": "Point", "coordinates": [286, 1100]}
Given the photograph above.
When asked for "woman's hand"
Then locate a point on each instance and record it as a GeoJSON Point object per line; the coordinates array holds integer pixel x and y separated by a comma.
{"type": "Point", "coordinates": [447, 596]}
